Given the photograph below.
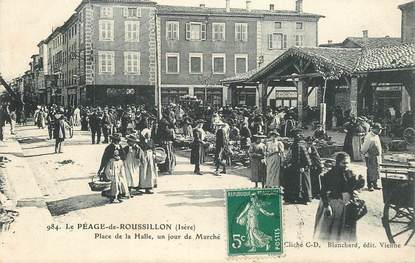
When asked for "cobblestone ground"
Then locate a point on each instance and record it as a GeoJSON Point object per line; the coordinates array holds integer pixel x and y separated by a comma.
{"type": "Point", "coordinates": [180, 198]}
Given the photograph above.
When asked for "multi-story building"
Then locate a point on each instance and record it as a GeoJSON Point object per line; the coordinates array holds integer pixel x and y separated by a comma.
{"type": "Point", "coordinates": [40, 82]}
{"type": "Point", "coordinates": [201, 45]}
{"type": "Point", "coordinates": [119, 51]}
{"type": "Point", "coordinates": [408, 22]}
{"type": "Point", "coordinates": [70, 62]}
{"type": "Point", "coordinates": [54, 44]}
{"type": "Point", "coordinates": [117, 42]}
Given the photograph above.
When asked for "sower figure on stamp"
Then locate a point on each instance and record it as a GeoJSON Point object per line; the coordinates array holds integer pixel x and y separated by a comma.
{"type": "Point", "coordinates": [249, 217]}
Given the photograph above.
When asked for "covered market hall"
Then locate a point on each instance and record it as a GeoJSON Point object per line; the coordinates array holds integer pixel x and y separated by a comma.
{"type": "Point", "coordinates": [354, 73]}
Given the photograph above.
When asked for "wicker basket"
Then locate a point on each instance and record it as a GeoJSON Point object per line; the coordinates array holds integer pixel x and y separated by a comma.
{"type": "Point", "coordinates": [160, 155]}
{"type": "Point", "coordinates": [98, 185]}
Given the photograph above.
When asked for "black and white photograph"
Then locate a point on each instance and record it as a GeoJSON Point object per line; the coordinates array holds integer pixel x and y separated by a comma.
{"type": "Point", "coordinates": [125, 123]}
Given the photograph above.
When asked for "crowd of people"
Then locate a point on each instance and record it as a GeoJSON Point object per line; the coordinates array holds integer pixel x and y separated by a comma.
{"type": "Point", "coordinates": [296, 168]}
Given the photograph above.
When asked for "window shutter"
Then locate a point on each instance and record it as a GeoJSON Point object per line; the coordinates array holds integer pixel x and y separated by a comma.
{"type": "Point", "coordinates": [284, 41]}
{"type": "Point", "coordinates": [203, 31]}
{"type": "Point", "coordinates": [269, 41]}
{"type": "Point", "coordinates": [187, 31]}
{"type": "Point", "coordinates": [125, 11]}
{"type": "Point", "coordinates": [125, 63]}
{"type": "Point", "coordinates": [168, 31]}
{"type": "Point", "coordinates": [138, 12]}
{"type": "Point", "coordinates": [245, 33]}
{"type": "Point", "coordinates": [176, 31]}
{"type": "Point", "coordinates": [112, 57]}
{"type": "Point", "coordinates": [237, 30]}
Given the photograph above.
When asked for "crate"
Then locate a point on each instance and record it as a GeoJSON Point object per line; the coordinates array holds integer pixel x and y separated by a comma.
{"type": "Point", "coordinates": [397, 145]}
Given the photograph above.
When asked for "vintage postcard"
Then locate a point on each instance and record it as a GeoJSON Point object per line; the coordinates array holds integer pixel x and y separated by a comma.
{"type": "Point", "coordinates": [207, 131]}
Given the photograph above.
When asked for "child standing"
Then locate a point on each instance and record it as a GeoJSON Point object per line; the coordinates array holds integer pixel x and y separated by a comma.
{"type": "Point", "coordinates": [115, 171]}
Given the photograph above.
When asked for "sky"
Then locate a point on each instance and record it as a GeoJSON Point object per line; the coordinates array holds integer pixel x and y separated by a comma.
{"type": "Point", "coordinates": [24, 23]}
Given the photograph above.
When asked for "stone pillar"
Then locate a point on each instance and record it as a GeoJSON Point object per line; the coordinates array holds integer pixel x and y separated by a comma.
{"type": "Point", "coordinates": [410, 86]}
{"type": "Point", "coordinates": [354, 84]}
{"type": "Point", "coordinates": [225, 91]}
{"type": "Point", "coordinates": [191, 91]}
{"type": "Point", "coordinates": [231, 92]}
{"type": "Point", "coordinates": [300, 100]}
{"type": "Point", "coordinates": [258, 96]}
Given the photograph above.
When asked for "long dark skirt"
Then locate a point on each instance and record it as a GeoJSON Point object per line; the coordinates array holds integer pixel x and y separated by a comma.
{"type": "Point", "coordinates": [334, 228]}
{"type": "Point", "coordinates": [170, 163]}
{"type": "Point", "coordinates": [197, 154]}
{"type": "Point", "coordinates": [297, 186]}
{"type": "Point", "coordinates": [315, 182]}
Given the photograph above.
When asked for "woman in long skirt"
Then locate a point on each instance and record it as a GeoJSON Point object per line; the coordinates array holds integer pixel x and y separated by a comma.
{"type": "Point", "coordinates": [197, 154]}
{"type": "Point", "coordinates": [275, 152]}
{"type": "Point", "coordinates": [339, 186]}
{"type": "Point", "coordinates": [148, 171]}
{"type": "Point", "coordinates": [258, 166]}
{"type": "Point", "coordinates": [115, 171]}
{"type": "Point", "coordinates": [133, 161]}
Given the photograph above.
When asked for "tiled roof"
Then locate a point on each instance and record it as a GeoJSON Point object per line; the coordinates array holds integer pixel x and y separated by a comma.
{"type": "Point", "coordinates": [241, 77]}
{"type": "Point", "coordinates": [406, 5]}
{"type": "Point", "coordinates": [391, 57]}
{"type": "Point", "coordinates": [373, 42]}
{"type": "Point", "coordinates": [344, 60]}
{"type": "Point", "coordinates": [171, 9]}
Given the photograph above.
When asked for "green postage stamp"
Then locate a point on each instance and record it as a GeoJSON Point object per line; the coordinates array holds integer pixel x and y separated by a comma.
{"type": "Point", "coordinates": [254, 218]}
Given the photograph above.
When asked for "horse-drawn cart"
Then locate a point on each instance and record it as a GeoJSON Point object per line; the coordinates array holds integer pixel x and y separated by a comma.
{"type": "Point", "coordinates": [398, 182]}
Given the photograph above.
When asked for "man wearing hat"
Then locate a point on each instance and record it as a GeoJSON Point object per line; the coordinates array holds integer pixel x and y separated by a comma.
{"type": "Point", "coordinates": [95, 123]}
{"type": "Point", "coordinates": [59, 132]}
{"type": "Point", "coordinates": [372, 149]}
{"type": "Point", "coordinates": [320, 133]}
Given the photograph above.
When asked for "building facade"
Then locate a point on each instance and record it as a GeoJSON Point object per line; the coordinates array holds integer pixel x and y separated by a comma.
{"type": "Point", "coordinates": [70, 62]}
{"type": "Point", "coordinates": [128, 51]}
{"type": "Point", "coordinates": [408, 22]}
{"type": "Point", "coordinates": [117, 43]}
{"type": "Point", "coordinates": [201, 45]}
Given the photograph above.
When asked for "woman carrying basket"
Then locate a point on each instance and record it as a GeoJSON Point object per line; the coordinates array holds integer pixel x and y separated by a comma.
{"type": "Point", "coordinates": [107, 155]}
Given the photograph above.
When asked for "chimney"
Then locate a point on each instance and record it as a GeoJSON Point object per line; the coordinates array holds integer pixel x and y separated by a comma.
{"type": "Point", "coordinates": [248, 5]}
{"type": "Point", "coordinates": [271, 7]}
{"type": "Point", "coordinates": [330, 41]}
{"type": "Point", "coordinates": [228, 6]}
{"type": "Point", "coordinates": [365, 35]}
{"type": "Point", "coordinates": [202, 5]}
{"type": "Point", "coordinates": [299, 6]}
